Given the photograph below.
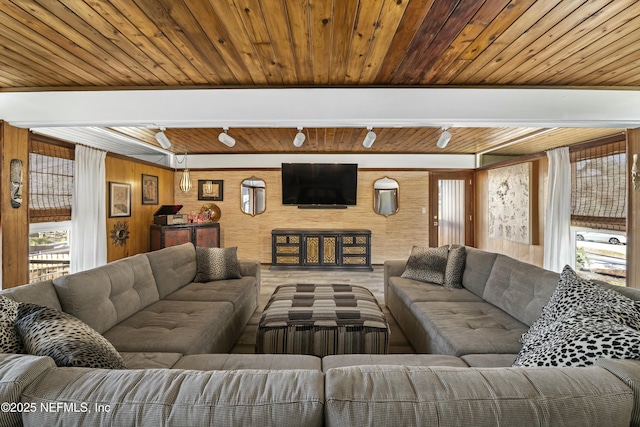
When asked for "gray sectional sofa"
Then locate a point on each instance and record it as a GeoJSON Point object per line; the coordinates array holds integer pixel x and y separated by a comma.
{"type": "Point", "coordinates": [465, 380]}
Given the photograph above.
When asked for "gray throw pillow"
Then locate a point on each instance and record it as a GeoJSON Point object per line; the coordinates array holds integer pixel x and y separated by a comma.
{"type": "Point", "coordinates": [217, 264]}
{"type": "Point", "coordinates": [9, 340]}
{"type": "Point", "coordinates": [66, 339]}
{"type": "Point", "coordinates": [455, 267]}
{"type": "Point", "coordinates": [427, 264]}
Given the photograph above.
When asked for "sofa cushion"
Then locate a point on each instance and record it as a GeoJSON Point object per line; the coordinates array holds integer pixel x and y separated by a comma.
{"type": "Point", "coordinates": [217, 264]}
{"type": "Point", "coordinates": [9, 340]}
{"type": "Point", "coordinates": [17, 371]}
{"type": "Point", "coordinates": [519, 288]}
{"type": "Point", "coordinates": [66, 339]}
{"type": "Point", "coordinates": [173, 267]}
{"type": "Point", "coordinates": [235, 291]}
{"type": "Point", "coordinates": [579, 340]}
{"type": "Point", "coordinates": [477, 268]}
{"type": "Point", "coordinates": [410, 291]}
{"type": "Point", "coordinates": [455, 267]}
{"type": "Point", "coordinates": [342, 360]}
{"type": "Point", "coordinates": [173, 397]}
{"type": "Point", "coordinates": [427, 264]}
{"type": "Point", "coordinates": [149, 360]}
{"type": "Point", "coordinates": [442, 396]}
{"type": "Point", "coordinates": [41, 293]}
{"type": "Point", "coordinates": [105, 296]}
{"type": "Point", "coordinates": [186, 327]}
{"type": "Point", "coordinates": [489, 360]}
{"type": "Point", "coordinates": [221, 362]}
{"type": "Point", "coordinates": [459, 328]}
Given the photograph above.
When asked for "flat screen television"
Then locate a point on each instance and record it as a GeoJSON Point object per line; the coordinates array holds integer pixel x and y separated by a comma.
{"type": "Point", "coordinates": [319, 184]}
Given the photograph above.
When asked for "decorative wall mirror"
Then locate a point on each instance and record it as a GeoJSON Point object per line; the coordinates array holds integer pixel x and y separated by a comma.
{"type": "Point", "coordinates": [253, 196]}
{"type": "Point", "coordinates": [385, 196]}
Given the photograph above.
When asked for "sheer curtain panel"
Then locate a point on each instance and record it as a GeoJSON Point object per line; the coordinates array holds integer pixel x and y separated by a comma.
{"type": "Point", "coordinates": [557, 221]}
{"type": "Point", "coordinates": [88, 211]}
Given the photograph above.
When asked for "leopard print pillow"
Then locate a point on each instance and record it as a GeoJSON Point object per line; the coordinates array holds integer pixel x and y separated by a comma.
{"type": "Point", "coordinates": [66, 339]}
{"type": "Point", "coordinates": [217, 264]}
{"type": "Point", "coordinates": [455, 268]}
{"type": "Point", "coordinates": [580, 340]}
{"type": "Point", "coordinates": [427, 264]}
{"type": "Point", "coordinates": [9, 340]}
{"type": "Point", "coordinates": [581, 296]}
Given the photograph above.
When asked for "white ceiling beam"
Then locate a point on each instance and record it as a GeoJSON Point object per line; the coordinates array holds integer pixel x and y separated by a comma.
{"type": "Point", "coordinates": [325, 107]}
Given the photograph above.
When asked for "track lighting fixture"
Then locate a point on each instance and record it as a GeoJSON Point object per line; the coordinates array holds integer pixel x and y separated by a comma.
{"type": "Point", "coordinates": [445, 136]}
{"type": "Point", "coordinates": [226, 139]}
{"type": "Point", "coordinates": [163, 140]}
{"type": "Point", "coordinates": [369, 138]}
{"type": "Point", "coordinates": [299, 139]}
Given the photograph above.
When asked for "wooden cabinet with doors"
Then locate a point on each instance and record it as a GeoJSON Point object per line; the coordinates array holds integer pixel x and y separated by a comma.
{"type": "Point", "coordinates": [321, 249]}
{"type": "Point", "coordinates": [205, 235]}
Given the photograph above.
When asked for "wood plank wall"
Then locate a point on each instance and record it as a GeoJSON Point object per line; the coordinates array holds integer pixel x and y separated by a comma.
{"type": "Point", "coordinates": [392, 237]}
{"type": "Point", "coordinates": [14, 224]}
{"type": "Point", "coordinates": [123, 170]}
{"type": "Point", "coordinates": [633, 215]}
{"type": "Point", "coordinates": [532, 253]}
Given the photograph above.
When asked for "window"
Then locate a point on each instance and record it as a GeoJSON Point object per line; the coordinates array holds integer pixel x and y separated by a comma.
{"type": "Point", "coordinates": [599, 186]}
{"type": "Point", "coordinates": [51, 168]}
{"type": "Point", "coordinates": [599, 210]}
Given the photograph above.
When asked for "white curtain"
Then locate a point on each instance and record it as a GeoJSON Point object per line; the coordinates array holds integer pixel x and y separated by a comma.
{"type": "Point", "coordinates": [557, 221]}
{"type": "Point", "coordinates": [88, 211]}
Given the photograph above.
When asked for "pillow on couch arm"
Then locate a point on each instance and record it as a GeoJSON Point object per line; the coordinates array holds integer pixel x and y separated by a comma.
{"type": "Point", "coordinates": [427, 264]}
{"type": "Point", "coordinates": [455, 267]}
{"type": "Point", "coordinates": [9, 339]}
{"type": "Point", "coordinates": [66, 339]}
{"type": "Point", "coordinates": [217, 264]}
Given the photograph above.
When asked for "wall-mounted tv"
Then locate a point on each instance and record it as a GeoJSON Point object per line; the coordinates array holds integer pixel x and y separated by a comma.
{"type": "Point", "coordinates": [319, 184]}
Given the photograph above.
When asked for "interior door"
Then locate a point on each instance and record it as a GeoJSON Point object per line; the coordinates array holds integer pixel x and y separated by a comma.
{"type": "Point", "coordinates": [451, 208]}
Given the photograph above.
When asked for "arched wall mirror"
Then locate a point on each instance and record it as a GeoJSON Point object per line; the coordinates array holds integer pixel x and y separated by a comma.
{"type": "Point", "coordinates": [253, 196]}
{"type": "Point", "coordinates": [385, 196]}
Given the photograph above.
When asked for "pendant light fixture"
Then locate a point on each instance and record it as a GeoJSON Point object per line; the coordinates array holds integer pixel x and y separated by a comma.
{"type": "Point", "coordinates": [185, 180]}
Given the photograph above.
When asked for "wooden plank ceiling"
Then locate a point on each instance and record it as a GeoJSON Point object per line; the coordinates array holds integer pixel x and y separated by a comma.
{"type": "Point", "coordinates": [162, 44]}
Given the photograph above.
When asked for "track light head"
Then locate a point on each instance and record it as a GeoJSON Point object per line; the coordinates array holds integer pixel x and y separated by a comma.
{"type": "Point", "coordinates": [369, 138]}
{"type": "Point", "coordinates": [227, 140]}
{"type": "Point", "coordinates": [299, 138]}
{"type": "Point", "coordinates": [163, 140]}
{"type": "Point", "coordinates": [445, 136]}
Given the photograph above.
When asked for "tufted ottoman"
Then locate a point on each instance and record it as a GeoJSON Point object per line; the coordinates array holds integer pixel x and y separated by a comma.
{"type": "Point", "coordinates": [322, 320]}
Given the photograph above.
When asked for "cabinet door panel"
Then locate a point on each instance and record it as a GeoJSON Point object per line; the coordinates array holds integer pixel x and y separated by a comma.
{"type": "Point", "coordinates": [207, 237]}
{"type": "Point", "coordinates": [176, 236]}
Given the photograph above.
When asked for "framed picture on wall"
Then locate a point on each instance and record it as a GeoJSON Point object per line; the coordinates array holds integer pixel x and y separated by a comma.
{"type": "Point", "coordinates": [210, 189]}
{"type": "Point", "coordinates": [149, 189]}
{"type": "Point", "coordinates": [119, 199]}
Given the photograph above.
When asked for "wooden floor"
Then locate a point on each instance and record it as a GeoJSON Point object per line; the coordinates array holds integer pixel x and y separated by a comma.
{"type": "Point", "coordinates": [270, 279]}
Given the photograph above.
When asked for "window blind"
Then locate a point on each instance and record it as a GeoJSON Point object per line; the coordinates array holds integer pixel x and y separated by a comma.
{"type": "Point", "coordinates": [50, 181]}
{"type": "Point", "coordinates": [599, 186]}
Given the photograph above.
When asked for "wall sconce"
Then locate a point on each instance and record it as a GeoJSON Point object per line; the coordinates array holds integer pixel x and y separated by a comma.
{"type": "Point", "coordinates": [444, 139]}
{"type": "Point", "coordinates": [635, 176]}
{"type": "Point", "coordinates": [227, 140]}
{"type": "Point", "coordinates": [369, 138]}
{"type": "Point", "coordinates": [299, 138]}
{"type": "Point", "coordinates": [185, 180]}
